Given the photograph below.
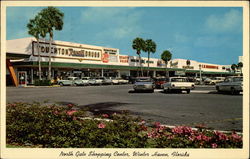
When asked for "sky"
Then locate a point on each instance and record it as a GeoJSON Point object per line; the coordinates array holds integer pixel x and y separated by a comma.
{"type": "Point", "coordinates": [204, 34]}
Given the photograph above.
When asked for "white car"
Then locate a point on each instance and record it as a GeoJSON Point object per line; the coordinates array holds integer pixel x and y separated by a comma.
{"type": "Point", "coordinates": [122, 81]}
{"type": "Point", "coordinates": [85, 80]}
{"type": "Point", "coordinates": [114, 80]}
{"type": "Point", "coordinates": [232, 84]}
{"type": "Point", "coordinates": [70, 81]}
{"type": "Point", "coordinates": [95, 81]}
{"type": "Point", "coordinates": [178, 84]}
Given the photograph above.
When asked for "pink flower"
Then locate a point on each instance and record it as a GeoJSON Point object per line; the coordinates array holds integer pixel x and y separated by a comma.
{"type": "Point", "coordinates": [142, 122]}
{"type": "Point", "coordinates": [101, 125]}
{"type": "Point", "coordinates": [157, 124]}
{"type": "Point", "coordinates": [74, 118]}
{"type": "Point", "coordinates": [191, 138]}
{"type": "Point", "coordinates": [236, 136]}
{"type": "Point", "coordinates": [56, 112]}
{"type": "Point", "coordinates": [214, 145]}
{"type": "Point", "coordinates": [70, 106]}
{"type": "Point", "coordinates": [221, 135]}
{"type": "Point", "coordinates": [71, 112]}
{"type": "Point", "coordinates": [105, 115]}
{"type": "Point", "coordinates": [199, 137]}
{"type": "Point", "coordinates": [150, 135]}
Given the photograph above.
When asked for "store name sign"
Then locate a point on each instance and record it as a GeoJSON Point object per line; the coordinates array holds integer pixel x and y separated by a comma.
{"type": "Point", "coordinates": [67, 51]}
{"type": "Point", "coordinates": [210, 66]}
{"type": "Point", "coordinates": [188, 67]}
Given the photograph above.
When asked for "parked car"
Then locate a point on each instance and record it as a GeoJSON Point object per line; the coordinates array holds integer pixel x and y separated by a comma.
{"type": "Point", "coordinates": [178, 84]}
{"type": "Point", "coordinates": [85, 80]}
{"type": "Point", "coordinates": [159, 82]}
{"type": "Point", "coordinates": [122, 81]}
{"type": "Point", "coordinates": [144, 84]}
{"type": "Point", "coordinates": [216, 80]}
{"type": "Point", "coordinates": [232, 84]}
{"type": "Point", "coordinates": [96, 81]}
{"type": "Point", "coordinates": [106, 81]}
{"type": "Point", "coordinates": [70, 81]}
{"type": "Point", "coordinates": [114, 80]}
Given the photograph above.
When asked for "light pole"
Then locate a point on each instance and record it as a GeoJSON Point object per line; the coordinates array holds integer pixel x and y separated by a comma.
{"type": "Point", "coordinates": [200, 72]}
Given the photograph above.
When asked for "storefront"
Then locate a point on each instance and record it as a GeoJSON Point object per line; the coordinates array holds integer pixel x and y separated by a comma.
{"type": "Point", "coordinates": [81, 60]}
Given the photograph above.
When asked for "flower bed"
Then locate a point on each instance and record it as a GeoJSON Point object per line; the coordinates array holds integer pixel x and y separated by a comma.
{"type": "Point", "coordinates": [63, 126]}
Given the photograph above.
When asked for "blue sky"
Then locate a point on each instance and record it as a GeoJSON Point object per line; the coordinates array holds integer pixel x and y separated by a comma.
{"type": "Point", "coordinates": [204, 34]}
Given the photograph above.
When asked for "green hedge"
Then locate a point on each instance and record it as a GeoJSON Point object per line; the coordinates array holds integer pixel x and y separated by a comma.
{"type": "Point", "coordinates": [42, 83]}
{"type": "Point", "coordinates": [56, 126]}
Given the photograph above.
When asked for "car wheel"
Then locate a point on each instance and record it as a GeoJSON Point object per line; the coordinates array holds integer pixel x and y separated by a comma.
{"type": "Point", "coordinates": [61, 84]}
{"type": "Point", "coordinates": [218, 89]}
{"type": "Point", "coordinates": [233, 91]}
{"type": "Point", "coordinates": [188, 91]}
{"type": "Point", "coordinates": [152, 91]}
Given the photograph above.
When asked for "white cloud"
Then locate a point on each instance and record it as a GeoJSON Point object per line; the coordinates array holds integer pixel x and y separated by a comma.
{"type": "Point", "coordinates": [181, 38]}
{"type": "Point", "coordinates": [213, 41]}
{"type": "Point", "coordinates": [230, 21]}
{"type": "Point", "coordinates": [116, 22]}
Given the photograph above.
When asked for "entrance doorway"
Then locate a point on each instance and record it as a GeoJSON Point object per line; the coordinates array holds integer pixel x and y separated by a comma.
{"type": "Point", "coordinates": [22, 77]}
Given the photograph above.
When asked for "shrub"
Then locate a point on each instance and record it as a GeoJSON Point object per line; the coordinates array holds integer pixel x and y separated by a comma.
{"type": "Point", "coordinates": [42, 83]}
{"type": "Point", "coordinates": [63, 126]}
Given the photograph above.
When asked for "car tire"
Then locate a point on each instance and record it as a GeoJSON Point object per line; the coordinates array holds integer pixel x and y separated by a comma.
{"type": "Point", "coordinates": [233, 91]}
{"type": "Point", "coordinates": [218, 88]}
{"type": "Point", "coordinates": [152, 91]}
{"type": "Point", "coordinates": [61, 84]}
{"type": "Point", "coordinates": [188, 91]}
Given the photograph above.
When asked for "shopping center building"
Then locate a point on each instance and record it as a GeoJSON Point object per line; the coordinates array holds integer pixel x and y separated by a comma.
{"type": "Point", "coordinates": [82, 60]}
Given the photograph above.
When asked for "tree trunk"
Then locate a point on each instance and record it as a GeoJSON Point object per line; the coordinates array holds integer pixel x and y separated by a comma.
{"type": "Point", "coordinates": [39, 60]}
{"type": "Point", "coordinates": [167, 73]}
{"type": "Point", "coordinates": [50, 41]}
{"type": "Point", "coordinates": [140, 65]}
{"type": "Point", "coordinates": [148, 64]}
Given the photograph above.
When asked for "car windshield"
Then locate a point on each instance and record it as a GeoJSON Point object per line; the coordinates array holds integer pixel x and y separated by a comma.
{"type": "Point", "coordinates": [143, 80]}
{"type": "Point", "coordinates": [178, 80]}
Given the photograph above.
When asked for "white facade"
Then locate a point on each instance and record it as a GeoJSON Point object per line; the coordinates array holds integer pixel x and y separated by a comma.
{"type": "Point", "coordinates": [195, 65]}
{"type": "Point", "coordinates": [67, 52]}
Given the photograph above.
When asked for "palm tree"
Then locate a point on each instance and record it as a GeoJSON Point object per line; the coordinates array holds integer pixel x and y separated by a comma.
{"type": "Point", "coordinates": [166, 56]}
{"type": "Point", "coordinates": [139, 45]}
{"type": "Point", "coordinates": [233, 67]}
{"type": "Point", "coordinates": [35, 29]}
{"type": "Point", "coordinates": [53, 20]}
{"type": "Point", "coordinates": [240, 65]}
{"type": "Point", "coordinates": [150, 46]}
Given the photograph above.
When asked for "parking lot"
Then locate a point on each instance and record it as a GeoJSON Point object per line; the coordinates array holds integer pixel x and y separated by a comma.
{"type": "Point", "coordinates": [202, 106]}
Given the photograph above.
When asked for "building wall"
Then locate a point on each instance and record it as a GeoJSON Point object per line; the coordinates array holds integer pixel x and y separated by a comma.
{"type": "Point", "coordinates": [67, 52]}
{"type": "Point", "coordinates": [194, 65]}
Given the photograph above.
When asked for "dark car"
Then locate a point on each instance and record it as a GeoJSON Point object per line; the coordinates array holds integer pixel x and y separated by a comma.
{"type": "Point", "coordinates": [144, 84]}
{"type": "Point", "coordinates": [159, 82]}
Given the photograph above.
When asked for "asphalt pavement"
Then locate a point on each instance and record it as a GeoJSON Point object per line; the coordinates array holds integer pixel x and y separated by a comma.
{"type": "Point", "coordinates": [202, 106]}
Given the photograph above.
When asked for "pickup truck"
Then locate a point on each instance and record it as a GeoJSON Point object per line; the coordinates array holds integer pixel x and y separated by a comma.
{"type": "Point", "coordinates": [178, 84]}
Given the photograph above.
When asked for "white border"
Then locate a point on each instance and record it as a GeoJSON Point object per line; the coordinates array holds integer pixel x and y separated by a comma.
{"type": "Point", "coordinates": [194, 153]}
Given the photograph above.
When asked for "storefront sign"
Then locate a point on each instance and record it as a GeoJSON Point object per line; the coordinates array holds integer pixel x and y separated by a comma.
{"type": "Point", "coordinates": [160, 63]}
{"type": "Point", "coordinates": [188, 67]}
{"type": "Point", "coordinates": [179, 73]}
{"type": "Point", "coordinates": [105, 58]}
{"type": "Point", "coordinates": [110, 51]}
{"type": "Point", "coordinates": [210, 66]}
{"type": "Point", "coordinates": [113, 58]}
{"type": "Point", "coordinates": [68, 51]}
{"type": "Point", "coordinates": [123, 59]}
